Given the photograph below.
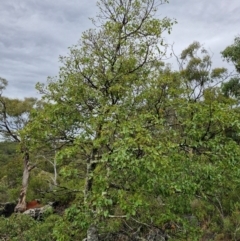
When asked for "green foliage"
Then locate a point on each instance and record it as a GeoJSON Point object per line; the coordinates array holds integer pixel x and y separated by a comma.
{"type": "Point", "coordinates": [10, 172]}
{"type": "Point", "coordinates": [232, 88]}
{"type": "Point", "coordinates": [132, 144]}
{"type": "Point", "coordinates": [7, 151]}
{"type": "Point", "coordinates": [23, 228]}
{"type": "Point", "coordinates": [135, 129]}
{"type": "Point", "coordinates": [73, 225]}
{"type": "Point", "coordinates": [13, 228]}
{"type": "Point", "coordinates": [14, 114]}
{"type": "Point", "coordinates": [232, 53]}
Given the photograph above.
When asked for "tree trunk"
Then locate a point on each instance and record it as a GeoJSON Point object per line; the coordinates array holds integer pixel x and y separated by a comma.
{"type": "Point", "coordinates": [21, 206]}
{"type": "Point", "coordinates": [91, 165]}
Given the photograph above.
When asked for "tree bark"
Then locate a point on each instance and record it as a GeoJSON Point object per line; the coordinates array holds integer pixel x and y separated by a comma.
{"type": "Point", "coordinates": [22, 205]}
{"type": "Point", "coordinates": [91, 165]}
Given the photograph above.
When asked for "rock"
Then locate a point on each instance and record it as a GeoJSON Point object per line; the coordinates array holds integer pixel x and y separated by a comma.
{"type": "Point", "coordinates": [38, 213]}
{"type": "Point", "coordinates": [7, 209]}
{"type": "Point", "coordinates": [157, 235]}
{"type": "Point", "coordinates": [92, 234]}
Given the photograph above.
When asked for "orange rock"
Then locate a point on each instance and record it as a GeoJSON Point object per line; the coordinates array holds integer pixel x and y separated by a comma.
{"type": "Point", "coordinates": [33, 204]}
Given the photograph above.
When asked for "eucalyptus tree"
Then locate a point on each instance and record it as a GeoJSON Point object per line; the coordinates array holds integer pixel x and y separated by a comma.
{"type": "Point", "coordinates": [14, 115]}
{"type": "Point", "coordinates": [231, 54]}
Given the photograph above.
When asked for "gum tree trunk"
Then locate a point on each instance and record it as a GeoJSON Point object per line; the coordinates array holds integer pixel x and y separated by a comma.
{"type": "Point", "coordinates": [21, 206]}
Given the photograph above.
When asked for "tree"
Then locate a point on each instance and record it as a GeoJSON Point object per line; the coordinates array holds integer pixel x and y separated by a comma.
{"type": "Point", "coordinates": [148, 141]}
{"type": "Point", "coordinates": [14, 115]}
{"type": "Point", "coordinates": [231, 53]}
{"type": "Point", "coordinates": [99, 95]}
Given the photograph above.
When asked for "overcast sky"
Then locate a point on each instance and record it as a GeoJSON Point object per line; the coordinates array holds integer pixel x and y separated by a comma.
{"type": "Point", "coordinates": [34, 33]}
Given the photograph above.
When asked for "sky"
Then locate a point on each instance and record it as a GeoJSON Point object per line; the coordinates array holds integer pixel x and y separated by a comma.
{"type": "Point", "coordinates": [33, 34]}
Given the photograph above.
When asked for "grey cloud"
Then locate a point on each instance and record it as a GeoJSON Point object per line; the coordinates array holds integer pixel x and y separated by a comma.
{"type": "Point", "coordinates": [34, 33]}
{"type": "Point", "coordinates": [32, 36]}
{"type": "Point", "coordinates": [213, 23]}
